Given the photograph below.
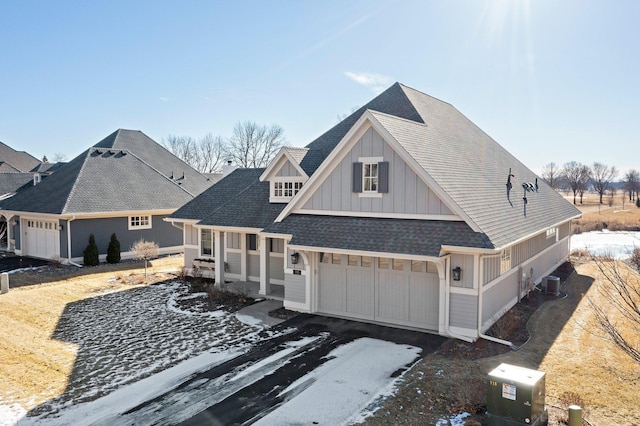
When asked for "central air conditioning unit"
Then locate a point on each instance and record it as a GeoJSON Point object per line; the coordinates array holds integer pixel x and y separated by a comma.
{"type": "Point", "coordinates": [516, 396]}
{"type": "Point", "coordinates": [551, 285]}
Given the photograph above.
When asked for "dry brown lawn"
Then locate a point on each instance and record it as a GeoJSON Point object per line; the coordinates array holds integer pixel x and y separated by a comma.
{"type": "Point", "coordinates": [596, 216]}
{"type": "Point", "coordinates": [35, 367]}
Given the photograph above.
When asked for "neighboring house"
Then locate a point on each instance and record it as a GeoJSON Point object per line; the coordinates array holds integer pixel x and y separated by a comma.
{"type": "Point", "coordinates": [17, 169]}
{"type": "Point", "coordinates": [405, 213]}
{"type": "Point", "coordinates": [125, 184]}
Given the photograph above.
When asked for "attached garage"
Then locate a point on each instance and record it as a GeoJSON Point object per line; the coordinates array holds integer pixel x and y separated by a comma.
{"type": "Point", "coordinates": [41, 238]}
{"type": "Point", "coordinates": [392, 291]}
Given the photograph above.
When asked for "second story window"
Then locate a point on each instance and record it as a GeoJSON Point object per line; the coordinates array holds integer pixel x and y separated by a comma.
{"type": "Point", "coordinates": [284, 190]}
{"type": "Point", "coordinates": [370, 177]}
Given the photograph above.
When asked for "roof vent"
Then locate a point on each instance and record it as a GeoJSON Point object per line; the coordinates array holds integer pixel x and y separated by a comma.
{"type": "Point", "coordinates": [111, 152]}
{"type": "Point", "coordinates": [171, 177]}
{"type": "Point", "coordinates": [123, 153]}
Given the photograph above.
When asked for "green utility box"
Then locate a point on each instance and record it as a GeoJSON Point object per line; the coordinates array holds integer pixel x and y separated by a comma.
{"type": "Point", "coordinates": [516, 396]}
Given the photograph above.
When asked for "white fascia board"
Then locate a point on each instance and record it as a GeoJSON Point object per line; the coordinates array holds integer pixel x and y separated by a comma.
{"type": "Point", "coordinates": [278, 162]}
{"type": "Point", "coordinates": [230, 228]}
{"type": "Point", "coordinates": [417, 216]}
{"type": "Point", "coordinates": [286, 237]}
{"type": "Point", "coordinates": [357, 130]}
{"type": "Point", "coordinates": [466, 250]}
{"type": "Point", "coordinates": [526, 237]}
{"type": "Point", "coordinates": [364, 253]}
{"type": "Point", "coordinates": [185, 221]}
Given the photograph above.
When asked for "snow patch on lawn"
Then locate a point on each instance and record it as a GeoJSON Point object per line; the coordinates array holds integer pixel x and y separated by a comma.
{"type": "Point", "coordinates": [356, 374]}
{"type": "Point", "coordinates": [618, 244]}
{"type": "Point", "coordinates": [10, 413]}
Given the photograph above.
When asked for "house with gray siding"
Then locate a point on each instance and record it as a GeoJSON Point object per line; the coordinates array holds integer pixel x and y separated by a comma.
{"type": "Point", "coordinates": [125, 184]}
{"type": "Point", "coordinates": [405, 214]}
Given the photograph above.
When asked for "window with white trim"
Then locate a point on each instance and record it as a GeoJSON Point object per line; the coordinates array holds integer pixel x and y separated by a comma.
{"type": "Point", "coordinates": [505, 260]}
{"type": "Point", "coordinates": [284, 190]}
{"type": "Point", "coordinates": [370, 177]}
{"type": "Point", "coordinates": [206, 242]}
{"type": "Point", "coordinates": [139, 222]}
{"type": "Point", "coordinates": [551, 232]}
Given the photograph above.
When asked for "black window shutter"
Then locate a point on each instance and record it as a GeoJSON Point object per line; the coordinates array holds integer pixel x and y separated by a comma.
{"type": "Point", "coordinates": [383, 176]}
{"type": "Point", "coordinates": [356, 178]}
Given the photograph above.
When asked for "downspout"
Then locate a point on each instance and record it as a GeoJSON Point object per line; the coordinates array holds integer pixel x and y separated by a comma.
{"type": "Point", "coordinates": [177, 226]}
{"type": "Point", "coordinates": [480, 333]}
{"type": "Point", "coordinates": [69, 243]}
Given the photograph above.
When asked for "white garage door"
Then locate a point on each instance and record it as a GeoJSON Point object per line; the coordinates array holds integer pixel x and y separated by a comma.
{"type": "Point", "coordinates": [393, 291]}
{"type": "Point", "coordinates": [42, 239]}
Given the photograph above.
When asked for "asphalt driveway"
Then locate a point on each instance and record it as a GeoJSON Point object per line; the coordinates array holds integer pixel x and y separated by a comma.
{"type": "Point", "coordinates": [250, 386]}
{"type": "Point", "coordinates": [11, 263]}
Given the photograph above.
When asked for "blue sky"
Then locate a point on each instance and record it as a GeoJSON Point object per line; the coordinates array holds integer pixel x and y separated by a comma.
{"type": "Point", "coordinates": [549, 80]}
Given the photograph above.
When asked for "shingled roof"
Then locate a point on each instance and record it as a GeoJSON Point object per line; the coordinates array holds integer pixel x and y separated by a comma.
{"type": "Point", "coordinates": [399, 236]}
{"type": "Point", "coordinates": [238, 200]}
{"type": "Point", "coordinates": [19, 161]}
{"type": "Point", "coordinates": [124, 172]}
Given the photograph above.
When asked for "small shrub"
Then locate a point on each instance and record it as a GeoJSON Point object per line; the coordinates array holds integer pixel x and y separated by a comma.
{"type": "Point", "coordinates": [145, 250]}
{"type": "Point", "coordinates": [90, 254]}
{"type": "Point", "coordinates": [113, 250]}
{"type": "Point", "coordinates": [635, 258]}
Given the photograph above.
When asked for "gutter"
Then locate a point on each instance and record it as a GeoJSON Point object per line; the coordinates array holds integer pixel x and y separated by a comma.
{"type": "Point", "coordinates": [173, 223]}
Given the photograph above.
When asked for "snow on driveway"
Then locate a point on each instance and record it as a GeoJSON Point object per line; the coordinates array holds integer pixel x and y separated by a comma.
{"type": "Point", "coordinates": [335, 393]}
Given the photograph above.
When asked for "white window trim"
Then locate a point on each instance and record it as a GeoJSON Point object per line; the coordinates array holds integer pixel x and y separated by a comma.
{"type": "Point", "coordinates": [283, 180]}
{"type": "Point", "coordinates": [505, 256]}
{"type": "Point", "coordinates": [551, 232]}
{"type": "Point", "coordinates": [139, 217]}
{"type": "Point", "coordinates": [200, 253]}
{"type": "Point", "coordinates": [369, 193]}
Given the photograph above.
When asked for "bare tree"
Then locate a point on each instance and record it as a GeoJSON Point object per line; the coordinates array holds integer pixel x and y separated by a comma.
{"type": "Point", "coordinates": [145, 250]}
{"type": "Point", "coordinates": [585, 176]}
{"type": "Point", "coordinates": [58, 157]}
{"type": "Point", "coordinates": [551, 175]}
{"type": "Point", "coordinates": [204, 155]}
{"type": "Point", "coordinates": [632, 183]}
{"type": "Point", "coordinates": [253, 145]}
{"type": "Point", "coordinates": [617, 310]}
{"type": "Point", "coordinates": [574, 173]}
{"type": "Point", "coordinates": [601, 177]}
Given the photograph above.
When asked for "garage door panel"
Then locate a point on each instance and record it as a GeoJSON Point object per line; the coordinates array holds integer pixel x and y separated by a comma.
{"type": "Point", "coordinates": [360, 292]}
{"type": "Point", "coordinates": [392, 297]}
{"type": "Point", "coordinates": [423, 299]}
{"type": "Point", "coordinates": [332, 290]}
{"type": "Point", "coordinates": [42, 238]}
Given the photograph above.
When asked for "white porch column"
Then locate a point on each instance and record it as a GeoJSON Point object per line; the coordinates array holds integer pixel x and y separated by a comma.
{"type": "Point", "coordinates": [244, 253]}
{"type": "Point", "coordinates": [443, 306]}
{"type": "Point", "coordinates": [218, 250]}
{"type": "Point", "coordinates": [9, 233]}
{"type": "Point", "coordinates": [265, 286]}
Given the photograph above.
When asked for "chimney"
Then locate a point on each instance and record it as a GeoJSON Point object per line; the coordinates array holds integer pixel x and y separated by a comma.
{"type": "Point", "coordinates": [228, 168]}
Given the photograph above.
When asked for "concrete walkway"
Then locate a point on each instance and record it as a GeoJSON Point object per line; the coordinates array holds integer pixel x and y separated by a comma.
{"type": "Point", "coordinates": [260, 311]}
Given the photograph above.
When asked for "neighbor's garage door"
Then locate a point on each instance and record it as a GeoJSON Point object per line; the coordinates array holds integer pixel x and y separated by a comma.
{"type": "Point", "coordinates": [393, 291]}
{"type": "Point", "coordinates": [42, 239]}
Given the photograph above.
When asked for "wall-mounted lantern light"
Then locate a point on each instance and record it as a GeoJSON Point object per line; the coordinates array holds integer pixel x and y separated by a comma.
{"type": "Point", "coordinates": [61, 227]}
{"type": "Point", "coordinates": [457, 273]}
{"type": "Point", "coordinates": [294, 258]}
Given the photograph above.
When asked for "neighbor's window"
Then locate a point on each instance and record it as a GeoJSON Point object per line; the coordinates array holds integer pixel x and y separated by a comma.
{"type": "Point", "coordinates": [370, 177]}
{"type": "Point", "coordinates": [206, 242]}
{"type": "Point", "coordinates": [139, 222]}
{"type": "Point", "coordinates": [252, 242]}
{"type": "Point", "coordinates": [551, 232]}
{"type": "Point", "coordinates": [505, 260]}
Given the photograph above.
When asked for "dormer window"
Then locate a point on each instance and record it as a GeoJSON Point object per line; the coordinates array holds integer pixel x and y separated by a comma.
{"type": "Point", "coordinates": [284, 189]}
{"type": "Point", "coordinates": [36, 179]}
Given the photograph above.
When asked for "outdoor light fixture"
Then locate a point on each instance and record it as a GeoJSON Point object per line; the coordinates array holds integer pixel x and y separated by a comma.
{"type": "Point", "coordinates": [457, 273]}
{"type": "Point", "coordinates": [294, 258]}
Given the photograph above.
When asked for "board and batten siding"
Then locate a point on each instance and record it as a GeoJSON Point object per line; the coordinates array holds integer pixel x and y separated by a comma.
{"type": "Point", "coordinates": [191, 234]}
{"type": "Point", "coordinates": [190, 254]}
{"type": "Point", "coordinates": [276, 267]}
{"type": "Point", "coordinates": [295, 288]}
{"type": "Point", "coordinates": [408, 194]}
{"type": "Point", "coordinates": [288, 170]}
{"type": "Point", "coordinates": [234, 262]}
{"type": "Point", "coordinates": [463, 311]}
{"type": "Point", "coordinates": [466, 263]}
{"type": "Point", "coordinates": [253, 265]}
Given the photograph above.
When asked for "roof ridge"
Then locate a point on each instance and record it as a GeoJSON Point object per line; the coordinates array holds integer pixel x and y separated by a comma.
{"type": "Point", "coordinates": [157, 171]}
{"type": "Point", "coordinates": [75, 182]}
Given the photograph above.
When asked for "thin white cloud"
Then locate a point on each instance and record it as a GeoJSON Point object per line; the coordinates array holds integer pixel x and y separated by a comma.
{"type": "Point", "coordinates": [164, 98]}
{"type": "Point", "coordinates": [375, 82]}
